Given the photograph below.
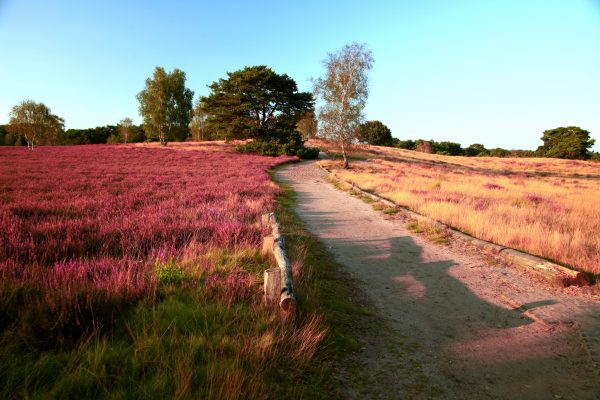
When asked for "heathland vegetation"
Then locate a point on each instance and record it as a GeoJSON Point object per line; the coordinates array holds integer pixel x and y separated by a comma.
{"type": "Point", "coordinates": [134, 271]}
{"type": "Point", "coordinates": [546, 207]}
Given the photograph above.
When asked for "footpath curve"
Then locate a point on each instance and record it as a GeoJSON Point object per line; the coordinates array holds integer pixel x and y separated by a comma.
{"type": "Point", "coordinates": [455, 326]}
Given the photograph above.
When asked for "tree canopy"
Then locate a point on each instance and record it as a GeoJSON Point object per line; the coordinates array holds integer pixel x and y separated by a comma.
{"type": "Point", "coordinates": [566, 142]}
{"type": "Point", "coordinates": [375, 133]}
{"type": "Point", "coordinates": [255, 102]}
{"type": "Point", "coordinates": [35, 122]}
{"type": "Point", "coordinates": [166, 105]}
{"type": "Point", "coordinates": [343, 92]}
{"type": "Point", "coordinates": [307, 125]}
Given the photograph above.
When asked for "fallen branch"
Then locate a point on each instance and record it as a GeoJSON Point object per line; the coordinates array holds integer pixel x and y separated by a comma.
{"type": "Point", "coordinates": [278, 285]}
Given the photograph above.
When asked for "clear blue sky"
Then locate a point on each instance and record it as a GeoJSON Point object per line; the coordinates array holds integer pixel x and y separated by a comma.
{"type": "Point", "coordinates": [485, 71]}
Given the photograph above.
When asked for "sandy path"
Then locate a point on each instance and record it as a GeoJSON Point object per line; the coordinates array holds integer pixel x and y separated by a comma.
{"type": "Point", "coordinates": [451, 323]}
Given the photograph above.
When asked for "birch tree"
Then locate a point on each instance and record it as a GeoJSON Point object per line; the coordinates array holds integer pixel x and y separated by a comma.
{"type": "Point", "coordinates": [35, 122]}
{"type": "Point", "coordinates": [343, 93]}
{"type": "Point", "coordinates": [166, 104]}
{"type": "Point", "coordinates": [125, 128]}
{"type": "Point", "coordinates": [198, 124]}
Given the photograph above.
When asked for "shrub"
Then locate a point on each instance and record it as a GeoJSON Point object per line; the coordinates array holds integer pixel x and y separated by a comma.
{"type": "Point", "coordinates": [308, 153]}
{"type": "Point", "coordinates": [293, 147]}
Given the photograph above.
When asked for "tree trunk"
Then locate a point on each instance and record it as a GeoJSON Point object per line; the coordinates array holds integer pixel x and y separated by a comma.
{"type": "Point", "coordinates": [345, 157]}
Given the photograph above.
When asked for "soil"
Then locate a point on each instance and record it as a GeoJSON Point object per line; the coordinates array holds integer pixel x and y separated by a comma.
{"type": "Point", "coordinates": [452, 321]}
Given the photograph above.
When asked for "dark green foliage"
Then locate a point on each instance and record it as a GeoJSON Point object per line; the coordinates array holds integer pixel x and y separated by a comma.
{"type": "Point", "coordinates": [455, 149]}
{"type": "Point", "coordinates": [98, 135]}
{"type": "Point", "coordinates": [308, 153]}
{"type": "Point", "coordinates": [566, 142]}
{"type": "Point", "coordinates": [447, 148]}
{"type": "Point", "coordinates": [499, 152]}
{"type": "Point", "coordinates": [476, 150]}
{"type": "Point", "coordinates": [404, 144]}
{"type": "Point", "coordinates": [294, 147]}
{"type": "Point", "coordinates": [6, 139]}
{"type": "Point", "coordinates": [255, 103]}
{"type": "Point", "coordinates": [375, 133]}
{"type": "Point", "coordinates": [594, 155]}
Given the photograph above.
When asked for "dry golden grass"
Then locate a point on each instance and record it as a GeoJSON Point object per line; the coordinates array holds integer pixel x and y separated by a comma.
{"type": "Point", "coordinates": [546, 207]}
{"type": "Point", "coordinates": [211, 146]}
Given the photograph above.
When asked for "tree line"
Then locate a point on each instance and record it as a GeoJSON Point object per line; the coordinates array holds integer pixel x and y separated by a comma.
{"type": "Point", "coordinates": [259, 104]}
{"type": "Point", "coordinates": [570, 142]}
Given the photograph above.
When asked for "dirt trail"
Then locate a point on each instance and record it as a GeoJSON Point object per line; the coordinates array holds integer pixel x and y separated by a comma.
{"type": "Point", "coordinates": [453, 325]}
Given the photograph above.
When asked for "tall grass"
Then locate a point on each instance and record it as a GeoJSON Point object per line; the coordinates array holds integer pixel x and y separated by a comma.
{"type": "Point", "coordinates": [132, 271]}
{"type": "Point", "coordinates": [546, 207]}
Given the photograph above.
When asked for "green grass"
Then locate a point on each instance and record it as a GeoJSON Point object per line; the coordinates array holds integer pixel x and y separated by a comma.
{"type": "Point", "coordinates": [431, 231]}
{"type": "Point", "coordinates": [196, 341]}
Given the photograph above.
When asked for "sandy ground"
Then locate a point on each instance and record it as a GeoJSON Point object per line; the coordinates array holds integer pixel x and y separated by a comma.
{"type": "Point", "coordinates": [452, 322]}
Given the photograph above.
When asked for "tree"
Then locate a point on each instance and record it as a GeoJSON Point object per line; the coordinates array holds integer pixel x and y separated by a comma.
{"type": "Point", "coordinates": [35, 122]}
{"type": "Point", "coordinates": [255, 102]}
{"type": "Point", "coordinates": [166, 105]}
{"type": "Point", "coordinates": [375, 133]}
{"type": "Point", "coordinates": [97, 135]}
{"type": "Point", "coordinates": [125, 126]}
{"type": "Point", "coordinates": [404, 144]}
{"type": "Point", "coordinates": [475, 150]}
{"type": "Point", "coordinates": [199, 124]}
{"type": "Point", "coordinates": [447, 148]}
{"type": "Point", "coordinates": [344, 90]}
{"type": "Point", "coordinates": [566, 142]}
{"type": "Point", "coordinates": [499, 152]}
{"type": "Point", "coordinates": [307, 126]}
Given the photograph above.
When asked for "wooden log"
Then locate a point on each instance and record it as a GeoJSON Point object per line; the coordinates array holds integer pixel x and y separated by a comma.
{"type": "Point", "coordinates": [267, 245]}
{"type": "Point", "coordinates": [272, 285]}
{"type": "Point", "coordinates": [275, 244]}
{"type": "Point", "coordinates": [547, 270]}
{"type": "Point", "coordinates": [287, 299]}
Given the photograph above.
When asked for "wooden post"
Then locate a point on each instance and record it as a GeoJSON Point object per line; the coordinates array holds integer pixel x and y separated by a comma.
{"type": "Point", "coordinates": [272, 285]}
{"type": "Point", "coordinates": [267, 245]}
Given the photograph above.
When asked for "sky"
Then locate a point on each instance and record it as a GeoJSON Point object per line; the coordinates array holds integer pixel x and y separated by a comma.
{"type": "Point", "coordinates": [492, 72]}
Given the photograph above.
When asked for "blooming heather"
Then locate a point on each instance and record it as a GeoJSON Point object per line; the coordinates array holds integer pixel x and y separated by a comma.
{"type": "Point", "coordinates": [86, 224]}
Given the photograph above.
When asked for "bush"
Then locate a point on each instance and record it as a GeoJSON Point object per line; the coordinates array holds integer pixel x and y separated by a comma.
{"type": "Point", "coordinates": [293, 147]}
{"type": "Point", "coordinates": [404, 144]}
{"type": "Point", "coordinates": [308, 153]}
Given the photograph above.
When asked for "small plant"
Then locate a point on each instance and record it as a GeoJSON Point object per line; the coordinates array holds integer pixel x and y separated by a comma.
{"type": "Point", "coordinates": [378, 206]}
{"type": "Point", "coordinates": [169, 272]}
{"type": "Point", "coordinates": [414, 227]}
{"type": "Point", "coordinates": [432, 231]}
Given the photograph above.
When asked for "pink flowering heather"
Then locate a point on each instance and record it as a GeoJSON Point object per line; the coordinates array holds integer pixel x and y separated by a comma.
{"type": "Point", "coordinates": [84, 225]}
